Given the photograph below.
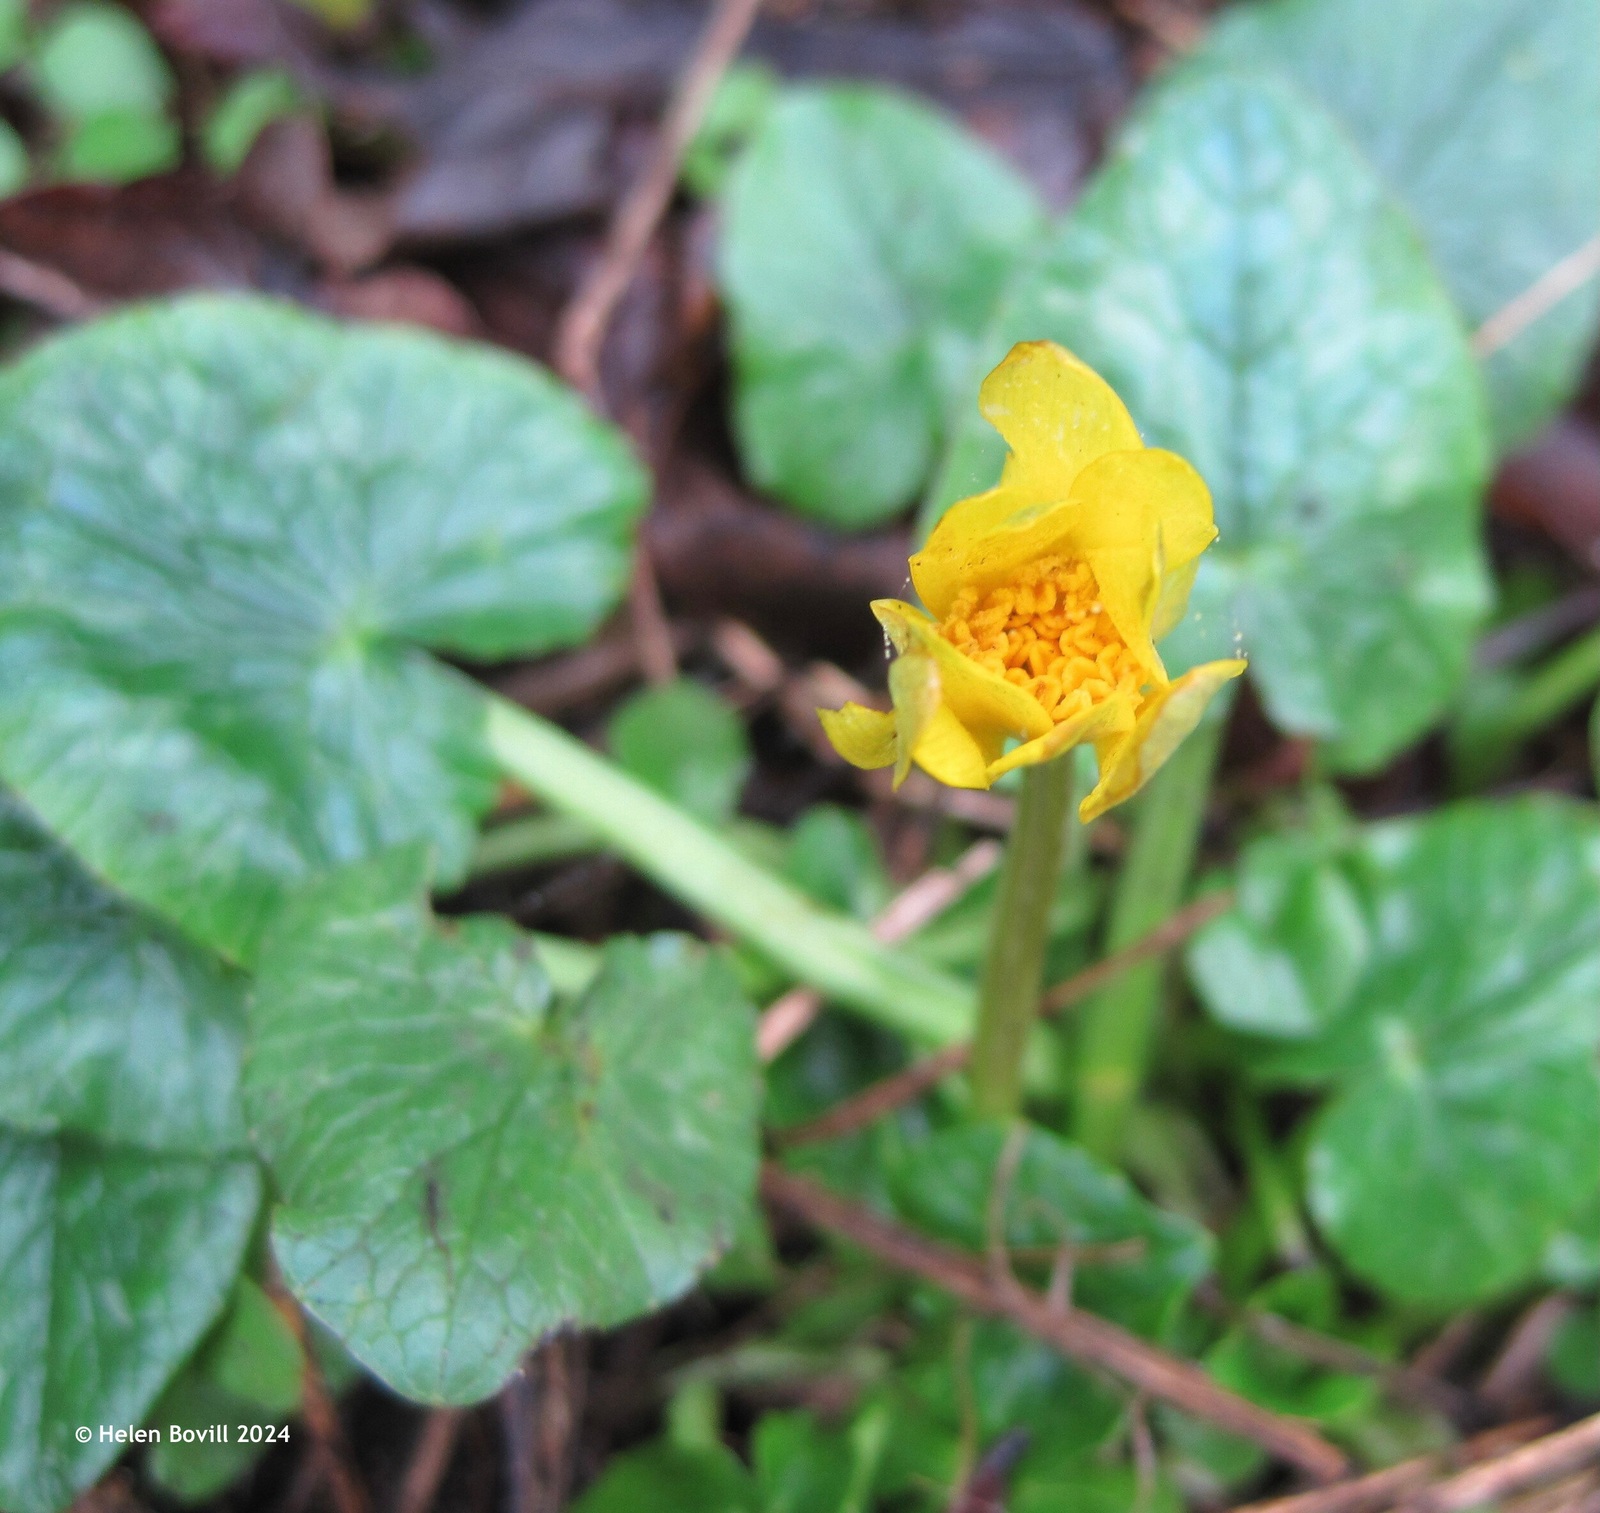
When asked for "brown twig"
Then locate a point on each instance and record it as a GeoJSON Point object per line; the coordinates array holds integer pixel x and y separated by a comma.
{"type": "Point", "coordinates": [539, 1411]}
{"type": "Point", "coordinates": [46, 288]}
{"type": "Point", "coordinates": [584, 322]}
{"type": "Point", "coordinates": [787, 1018]}
{"type": "Point", "coordinates": [335, 1466]}
{"type": "Point", "coordinates": [1082, 1336]}
{"type": "Point", "coordinates": [1378, 1489]}
{"type": "Point", "coordinates": [1513, 1372]}
{"type": "Point", "coordinates": [1172, 931]}
{"type": "Point", "coordinates": [1538, 299]}
{"type": "Point", "coordinates": [430, 1459]}
{"type": "Point", "coordinates": [1533, 1464]}
{"type": "Point", "coordinates": [906, 1086]}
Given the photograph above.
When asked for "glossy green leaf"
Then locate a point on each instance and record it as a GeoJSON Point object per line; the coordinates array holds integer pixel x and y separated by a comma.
{"type": "Point", "coordinates": [96, 58]}
{"type": "Point", "coordinates": [668, 1478]}
{"type": "Point", "coordinates": [114, 1262]}
{"type": "Point", "coordinates": [111, 1024]}
{"type": "Point", "coordinates": [683, 741]}
{"type": "Point", "coordinates": [865, 238]}
{"type": "Point", "coordinates": [1460, 1047]}
{"type": "Point", "coordinates": [124, 1204]}
{"type": "Point", "coordinates": [226, 529]}
{"type": "Point", "coordinates": [464, 1166]}
{"type": "Point", "coordinates": [1136, 1263]}
{"type": "Point", "coordinates": [1484, 116]}
{"type": "Point", "coordinates": [832, 857]}
{"type": "Point", "coordinates": [1244, 281]}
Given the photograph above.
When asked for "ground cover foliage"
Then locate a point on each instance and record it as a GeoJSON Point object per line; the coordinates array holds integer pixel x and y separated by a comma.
{"type": "Point", "coordinates": [379, 1066]}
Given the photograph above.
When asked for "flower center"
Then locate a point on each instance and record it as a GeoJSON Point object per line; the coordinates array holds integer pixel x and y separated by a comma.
{"type": "Point", "coordinates": [1048, 633]}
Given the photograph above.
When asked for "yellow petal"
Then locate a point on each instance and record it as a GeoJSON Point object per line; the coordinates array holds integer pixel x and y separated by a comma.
{"type": "Point", "coordinates": [914, 687]}
{"type": "Point", "coordinates": [863, 737]}
{"type": "Point", "coordinates": [1108, 718]}
{"type": "Point", "coordinates": [1141, 519]}
{"type": "Point", "coordinates": [1057, 415]}
{"type": "Point", "coordinates": [1128, 762]}
{"type": "Point", "coordinates": [989, 707]}
{"type": "Point", "coordinates": [947, 751]}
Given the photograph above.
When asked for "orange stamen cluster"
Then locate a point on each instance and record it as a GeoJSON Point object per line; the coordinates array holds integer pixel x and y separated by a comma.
{"type": "Point", "coordinates": [1048, 633]}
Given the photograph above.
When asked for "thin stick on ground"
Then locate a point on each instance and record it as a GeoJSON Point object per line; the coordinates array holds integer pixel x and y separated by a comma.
{"type": "Point", "coordinates": [1082, 1336]}
{"type": "Point", "coordinates": [1171, 932]}
{"type": "Point", "coordinates": [584, 322]}
{"type": "Point", "coordinates": [1531, 1465]}
{"type": "Point", "coordinates": [1379, 1489]}
{"type": "Point", "coordinates": [430, 1459]}
{"type": "Point", "coordinates": [1547, 291]}
{"type": "Point", "coordinates": [335, 1466]}
{"type": "Point", "coordinates": [787, 1018]}
{"type": "Point", "coordinates": [45, 288]}
{"type": "Point", "coordinates": [896, 1091]}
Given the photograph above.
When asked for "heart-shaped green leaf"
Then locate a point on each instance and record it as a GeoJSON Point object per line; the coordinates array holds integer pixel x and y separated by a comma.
{"type": "Point", "coordinates": [1243, 280]}
{"type": "Point", "coordinates": [226, 530]}
{"type": "Point", "coordinates": [111, 1024]}
{"type": "Point", "coordinates": [1484, 117]}
{"type": "Point", "coordinates": [1132, 1261]}
{"type": "Point", "coordinates": [124, 1206]}
{"type": "Point", "coordinates": [865, 239]}
{"type": "Point", "coordinates": [465, 1167]}
{"type": "Point", "coordinates": [115, 1260]}
{"type": "Point", "coordinates": [1460, 1047]}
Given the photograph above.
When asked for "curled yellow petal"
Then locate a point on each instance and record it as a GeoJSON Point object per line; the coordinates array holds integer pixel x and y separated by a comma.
{"type": "Point", "coordinates": [1057, 415]}
{"type": "Point", "coordinates": [914, 687]}
{"type": "Point", "coordinates": [1099, 723]}
{"type": "Point", "coordinates": [863, 737]}
{"type": "Point", "coordinates": [1170, 714]}
{"type": "Point", "coordinates": [947, 752]}
{"type": "Point", "coordinates": [988, 706]}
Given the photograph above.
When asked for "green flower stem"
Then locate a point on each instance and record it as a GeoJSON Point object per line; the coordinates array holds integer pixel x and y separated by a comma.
{"type": "Point", "coordinates": [1271, 1188]}
{"type": "Point", "coordinates": [1013, 972]}
{"type": "Point", "coordinates": [1117, 1025]}
{"type": "Point", "coordinates": [529, 841]}
{"type": "Point", "coordinates": [1548, 692]}
{"type": "Point", "coordinates": [835, 955]}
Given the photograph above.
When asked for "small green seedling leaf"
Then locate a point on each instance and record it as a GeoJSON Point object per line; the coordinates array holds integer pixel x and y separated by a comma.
{"type": "Point", "coordinates": [125, 1202]}
{"type": "Point", "coordinates": [251, 103]}
{"type": "Point", "coordinates": [687, 744]}
{"type": "Point", "coordinates": [1484, 117]}
{"type": "Point", "coordinates": [247, 1373]}
{"type": "Point", "coordinates": [742, 102]}
{"type": "Point", "coordinates": [465, 1166]}
{"type": "Point", "coordinates": [1133, 1262]}
{"type": "Point", "coordinates": [1246, 284]}
{"type": "Point", "coordinates": [118, 146]}
{"type": "Point", "coordinates": [1460, 1047]}
{"type": "Point", "coordinates": [227, 528]}
{"type": "Point", "coordinates": [865, 240]}
{"type": "Point", "coordinates": [14, 165]}
{"type": "Point", "coordinates": [668, 1478]}
{"type": "Point", "coordinates": [832, 857]}
{"type": "Point", "coordinates": [96, 59]}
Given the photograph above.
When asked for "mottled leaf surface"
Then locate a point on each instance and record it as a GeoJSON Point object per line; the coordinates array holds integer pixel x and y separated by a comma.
{"type": "Point", "coordinates": [1456, 1032]}
{"type": "Point", "coordinates": [865, 239]}
{"type": "Point", "coordinates": [226, 530]}
{"type": "Point", "coordinates": [113, 1261]}
{"type": "Point", "coordinates": [124, 1200]}
{"type": "Point", "coordinates": [1245, 282]}
{"type": "Point", "coordinates": [1484, 117]}
{"type": "Point", "coordinates": [465, 1166]}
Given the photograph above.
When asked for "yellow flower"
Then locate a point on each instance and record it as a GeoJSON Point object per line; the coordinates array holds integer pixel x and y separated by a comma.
{"type": "Point", "coordinates": [1046, 596]}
